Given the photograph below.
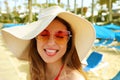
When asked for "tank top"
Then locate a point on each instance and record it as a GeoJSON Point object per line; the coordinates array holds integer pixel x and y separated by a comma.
{"type": "Point", "coordinates": [57, 77]}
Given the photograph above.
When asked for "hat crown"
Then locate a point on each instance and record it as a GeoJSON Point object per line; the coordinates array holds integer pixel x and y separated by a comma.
{"type": "Point", "coordinates": [54, 10]}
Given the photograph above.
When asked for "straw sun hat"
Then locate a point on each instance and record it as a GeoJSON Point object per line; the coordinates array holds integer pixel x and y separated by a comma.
{"type": "Point", "coordinates": [18, 38]}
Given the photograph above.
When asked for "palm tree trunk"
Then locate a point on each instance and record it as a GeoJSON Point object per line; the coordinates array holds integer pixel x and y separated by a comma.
{"type": "Point", "coordinates": [68, 5]}
{"type": "Point", "coordinates": [92, 12]}
{"type": "Point", "coordinates": [110, 10]}
{"type": "Point", "coordinates": [75, 7]}
{"type": "Point", "coordinates": [15, 11]}
{"type": "Point", "coordinates": [46, 3]}
{"type": "Point", "coordinates": [81, 7]}
{"type": "Point", "coordinates": [58, 1]}
{"type": "Point", "coordinates": [30, 10]}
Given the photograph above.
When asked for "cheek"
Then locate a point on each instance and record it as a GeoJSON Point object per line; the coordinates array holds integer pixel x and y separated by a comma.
{"type": "Point", "coordinates": [63, 49]}
{"type": "Point", "coordinates": [39, 47]}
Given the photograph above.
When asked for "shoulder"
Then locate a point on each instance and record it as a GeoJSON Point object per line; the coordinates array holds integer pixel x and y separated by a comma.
{"type": "Point", "coordinates": [74, 75]}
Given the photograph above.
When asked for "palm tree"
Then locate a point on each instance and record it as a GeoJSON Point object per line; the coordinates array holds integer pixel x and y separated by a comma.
{"type": "Point", "coordinates": [110, 10]}
{"type": "Point", "coordinates": [92, 12]}
{"type": "Point", "coordinates": [46, 3]}
{"type": "Point", "coordinates": [30, 10]}
{"type": "Point", "coordinates": [0, 8]}
{"type": "Point", "coordinates": [14, 11]}
{"type": "Point", "coordinates": [0, 12]}
{"type": "Point", "coordinates": [58, 1]}
{"type": "Point", "coordinates": [75, 7]}
{"type": "Point", "coordinates": [8, 11]}
{"type": "Point", "coordinates": [7, 7]}
{"type": "Point", "coordinates": [81, 7]}
{"type": "Point", "coordinates": [68, 5]}
{"type": "Point", "coordinates": [109, 6]}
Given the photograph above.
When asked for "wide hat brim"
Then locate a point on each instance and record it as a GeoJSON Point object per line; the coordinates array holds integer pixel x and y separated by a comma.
{"type": "Point", "coordinates": [18, 38]}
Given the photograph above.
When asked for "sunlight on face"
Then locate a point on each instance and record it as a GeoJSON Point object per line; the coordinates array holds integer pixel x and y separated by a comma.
{"type": "Point", "coordinates": [52, 42]}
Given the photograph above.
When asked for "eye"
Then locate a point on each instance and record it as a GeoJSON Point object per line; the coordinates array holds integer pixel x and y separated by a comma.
{"type": "Point", "coordinates": [44, 33]}
{"type": "Point", "coordinates": [61, 34]}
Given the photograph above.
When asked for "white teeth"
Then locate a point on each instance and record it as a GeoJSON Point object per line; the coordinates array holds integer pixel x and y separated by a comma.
{"type": "Point", "coordinates": [51, 51]}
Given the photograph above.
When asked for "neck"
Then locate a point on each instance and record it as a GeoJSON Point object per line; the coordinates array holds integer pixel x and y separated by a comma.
{"type": "Point", "coordinates": [52, 69]}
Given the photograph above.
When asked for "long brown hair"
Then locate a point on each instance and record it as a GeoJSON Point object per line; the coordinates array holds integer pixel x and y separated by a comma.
{"type": "Point", "coordinates": [70, 59]}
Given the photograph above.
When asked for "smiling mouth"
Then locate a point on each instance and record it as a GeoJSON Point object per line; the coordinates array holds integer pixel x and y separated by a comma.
{"type": "Point", "coordinates": [50, 52]}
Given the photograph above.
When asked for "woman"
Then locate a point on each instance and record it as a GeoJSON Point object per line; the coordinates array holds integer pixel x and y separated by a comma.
{"type": "Point", "coordinates": [55, 45]}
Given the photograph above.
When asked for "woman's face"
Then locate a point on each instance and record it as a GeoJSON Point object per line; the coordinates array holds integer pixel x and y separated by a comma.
{"type": "Point", "coordinates": [52, 42]}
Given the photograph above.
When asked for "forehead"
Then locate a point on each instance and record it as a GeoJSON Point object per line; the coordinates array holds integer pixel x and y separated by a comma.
{"type": "Point", "coordinates": [56, 25]}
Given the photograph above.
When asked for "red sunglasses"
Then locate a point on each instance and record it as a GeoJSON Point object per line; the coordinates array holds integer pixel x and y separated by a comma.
{"type": "Point", "coordinates": [59, 36]}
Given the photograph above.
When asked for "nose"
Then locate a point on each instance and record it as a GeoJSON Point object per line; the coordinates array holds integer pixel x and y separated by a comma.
{"type": "Point", "coordinates": [51, 40]}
